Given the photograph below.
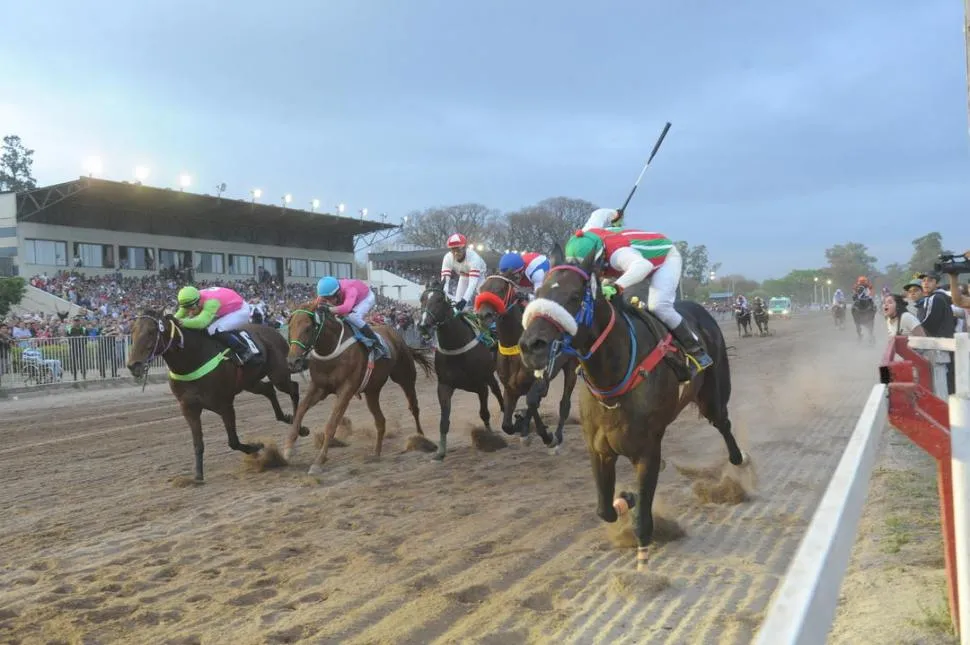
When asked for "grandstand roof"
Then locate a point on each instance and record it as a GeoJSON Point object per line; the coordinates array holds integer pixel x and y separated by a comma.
{"type": "Point", "coordinates": [429, 255]}
{"type": "Point", "coordinates": [101, 195]}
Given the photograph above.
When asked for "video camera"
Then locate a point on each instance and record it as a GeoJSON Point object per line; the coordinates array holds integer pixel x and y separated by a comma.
{"type": "Point", "coordinates": [952, 264]}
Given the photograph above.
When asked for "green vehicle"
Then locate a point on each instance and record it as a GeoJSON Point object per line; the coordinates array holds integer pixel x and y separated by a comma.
{"type": "Point", "coordinates": [779, 307]}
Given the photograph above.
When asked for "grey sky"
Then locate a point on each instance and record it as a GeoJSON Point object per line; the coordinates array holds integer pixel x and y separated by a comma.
{"type": "Point", "coordinates": [795, 125]}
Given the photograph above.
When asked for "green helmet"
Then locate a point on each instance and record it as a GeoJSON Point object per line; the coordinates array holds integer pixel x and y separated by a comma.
{"type": "Point", "coordinates": [582, 244]}
{"type": "Point", "coordinates": [188, 296]}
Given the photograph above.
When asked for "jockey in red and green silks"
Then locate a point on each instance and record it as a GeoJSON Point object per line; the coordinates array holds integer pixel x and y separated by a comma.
{"type": "Point", "coordinates": [629, 257]}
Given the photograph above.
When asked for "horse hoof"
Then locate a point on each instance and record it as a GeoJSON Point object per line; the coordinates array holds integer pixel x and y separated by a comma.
{"type": "Point", "coordinates": [438, 457]}
{"type": "Point", "coordinates": [314, 470]}
{"type": "Point", "coordinates": [258, 447]}
{"type": "Point", "coordinates": [555, 450]}
{"type": "Point", "coordinates": [304, 431]}
{"type": "Point", "coordinates": [621, 506]}
{"type": "Point", "coordinates": [287, 453]}
{"type": "Point", "coordinates": [525, 441]}
{"type": "Point", "coordinates": [286, 418]}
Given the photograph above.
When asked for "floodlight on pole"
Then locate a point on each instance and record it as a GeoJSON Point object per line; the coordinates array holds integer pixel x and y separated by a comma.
{"type": "Point", "coordinates": [256, 193]}
{"type": "Point", "coordinates": [480, 247]}
{"type": "Point", "coordinates": [185, 180]}
{"type": "Point", "coordinates": [341, 208]}
{"type": "Point", "coordinates": [141, 173]}
{"type": "Point", "coordinates": [287, 198]}
{"type": "Point", "coordinates": [93, 166]}
{"type": "Point", "coordinates": [314, 205]}
{"type": "Point", "coordinates": [363, 213]}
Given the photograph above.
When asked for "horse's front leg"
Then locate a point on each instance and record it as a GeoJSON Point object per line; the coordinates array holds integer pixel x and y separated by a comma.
{"type": "Point", "coordinates": [193, 415]}
{"type": "Point", "coordinates": [604, 472]}
{"type": "Point", "coordinates": [445, 392]}
{"type": "Point", "coordinates": [648, 471]}
{"type": "Point", "coordinates": [540, 387]}
{"type": "Point", "coordinates": [510, 398]}
{"type": "Point", "coordinates": [340, 407]}
{"type": "Point", "coordinates": [311, 398]}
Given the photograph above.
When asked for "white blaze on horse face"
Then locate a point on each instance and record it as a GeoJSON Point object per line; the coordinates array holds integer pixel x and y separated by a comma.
{"type": "Point", "coordinates": [424, 318]}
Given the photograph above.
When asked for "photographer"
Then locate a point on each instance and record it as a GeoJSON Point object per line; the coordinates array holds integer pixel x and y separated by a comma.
{"type": "Point", "coordinates": [937, 308]}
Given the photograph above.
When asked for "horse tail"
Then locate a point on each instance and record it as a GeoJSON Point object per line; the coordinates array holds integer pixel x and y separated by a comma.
{"type": "Point", "coordinates": [422, 359]}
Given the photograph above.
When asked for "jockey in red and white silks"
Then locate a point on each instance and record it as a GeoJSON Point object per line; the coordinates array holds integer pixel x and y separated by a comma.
{"type": "Point", "coordinates": [469, 266]}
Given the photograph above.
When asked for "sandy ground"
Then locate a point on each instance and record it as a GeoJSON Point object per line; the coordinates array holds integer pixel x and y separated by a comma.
{"type": "Point", "coordinates": [100, 544]}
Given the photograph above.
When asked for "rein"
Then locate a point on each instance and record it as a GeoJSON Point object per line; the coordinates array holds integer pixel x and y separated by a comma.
{"type": "Point", "coordinates": [318, 327]}
{"type": "Point", "coordinates": [438, 323]}
{"type": "Point", "coordinates": [635, 372]}
{"type": "Point", "coordinates": [501, 305]}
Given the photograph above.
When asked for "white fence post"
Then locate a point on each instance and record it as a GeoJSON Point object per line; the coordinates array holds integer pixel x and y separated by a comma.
{"type": "Point", "coordinates": [804, 605]}
{"type": "Point", "coordinates": [960, 469]}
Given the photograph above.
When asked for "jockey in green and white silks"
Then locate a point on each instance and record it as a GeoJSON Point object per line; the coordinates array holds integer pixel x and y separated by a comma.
{"type": "Point", "coordinates": [629, 257]}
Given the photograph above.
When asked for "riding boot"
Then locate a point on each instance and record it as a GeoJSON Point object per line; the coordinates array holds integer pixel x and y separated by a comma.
{"type": "Point", "coordinates": [699, 358]}
{"type": "Point", "coordinates": [375, 342]}
{"type": "Point", "coordinates": [238, 346]}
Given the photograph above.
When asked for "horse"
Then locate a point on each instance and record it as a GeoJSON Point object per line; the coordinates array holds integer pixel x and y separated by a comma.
{"type": "Point", "coordinates": [499, 300]}
{"type": "Point", "coordinates": [864, 315]}
{"type": "Point", "coordinates": [461, 360]}
{"type": "Point", "coordinates": [761, 318]}
{"type": "Point", "coordinates": [743, 318]}
{"type": "Point", "coordinates": [633, 389]}
{"type": "Point", "coordinates": [838, 313]}
{"type": "Point", "coordinates": [202, 377]}
{"type": "Point", "coordinates": [341, 365]}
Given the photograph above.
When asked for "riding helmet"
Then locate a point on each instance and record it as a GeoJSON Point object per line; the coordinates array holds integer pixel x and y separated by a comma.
{"type": "Point", "coordinates": [188, 296]}
{"type": "Point", "coordinates": [327, 287]}
{"type": "Point", "coordinates": [582, 244]}
{"type": "Point", "coordinates": [510, 263]}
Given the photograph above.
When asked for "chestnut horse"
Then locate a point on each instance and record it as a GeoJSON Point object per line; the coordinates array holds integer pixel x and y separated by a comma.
{"type": "Point", "coordinates": [499, 299]}
{"type": "Point", "coordinates": [461, 360]}
{"type": "Point", "coordinates": [637, 391]}
{"type": "Point", "coordinates": [202, 377]}
{"type": "Point", "coordinates": [340, 364]}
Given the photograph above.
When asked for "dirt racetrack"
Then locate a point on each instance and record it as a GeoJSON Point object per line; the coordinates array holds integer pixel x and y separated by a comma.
{"type": "Point", "coordinates": [100, 546]}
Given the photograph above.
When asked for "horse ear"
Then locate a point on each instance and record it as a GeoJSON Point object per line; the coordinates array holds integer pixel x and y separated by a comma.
{"type": "Point", "coordinates": [556, 255]}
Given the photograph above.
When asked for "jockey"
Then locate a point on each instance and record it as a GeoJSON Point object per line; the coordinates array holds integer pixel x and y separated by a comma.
{"type": "Point", "coordinates": [220, 311]}
{"type": "Point", "coordinates": [742, 302]}
{"type": "Point", "coordinates": [863, 289]}
{"type": "Point", "coordinates": [528, 268]}
{"type": "Point", "coordinates": [604, 218]}
{"type": "Point", "coordinates": [469, 266]}
{"type": "Point", "coordinates": [838, 298]}
{"type": "Point", "coordinates": [351, 299]}
{"type": "Point", "coordinates": [632, 257]}
{"type": "Point", "coordinates": [758, 302]}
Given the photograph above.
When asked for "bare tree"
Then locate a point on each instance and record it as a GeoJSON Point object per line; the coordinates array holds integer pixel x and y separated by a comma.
{"type": "Point", "coordinates": [539, 227]}
{"type": "Point", "coordinates": [431, 227]}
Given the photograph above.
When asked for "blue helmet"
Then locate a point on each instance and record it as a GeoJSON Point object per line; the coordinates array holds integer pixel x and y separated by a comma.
{"type": "Point", "coordinates": [328, 287]}
{"type": "Point", "coordinates": [511, 262]}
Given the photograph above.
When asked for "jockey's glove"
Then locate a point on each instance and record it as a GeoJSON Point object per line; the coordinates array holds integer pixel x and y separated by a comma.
{"type": "Point", "coordinates": [610, 290]}
{"type": "Point", "coordinates": [460, 305]}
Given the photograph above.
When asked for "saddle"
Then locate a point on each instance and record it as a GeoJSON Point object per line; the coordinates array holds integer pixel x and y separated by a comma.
{"type": "Point", "coordinates": [369, 343]}
{"type": "Point", "coordinates": [485, 335]}
{"type": "Point", "coordinates": [677, 360]}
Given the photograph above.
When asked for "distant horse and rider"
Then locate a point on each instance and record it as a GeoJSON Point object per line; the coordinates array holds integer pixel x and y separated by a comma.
{"type": "Point", "coordinates": [838, 309]}
{"type": "Point", "coordinates": [760, 313]}
{"type": "Point", "coordinates": [742, 316]}
{"type": "Point", "coordinates": [864, 309]}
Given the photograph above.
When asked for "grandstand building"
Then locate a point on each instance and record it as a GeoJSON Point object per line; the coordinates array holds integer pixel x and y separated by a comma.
{"type": "Point", "coordinates": [96, 226]}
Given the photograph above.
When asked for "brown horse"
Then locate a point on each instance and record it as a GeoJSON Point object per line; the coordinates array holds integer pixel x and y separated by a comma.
{"type": "Point", "coordinates": [202, 377]}
{"type": "Point", "coordinates": [340, 364]}
{"type": "Point", "coordinates": [627, 355]}
{"type": "Point", "coordinates": [461, 360]}
{"type": "Point", "coordinates": [499, 299]}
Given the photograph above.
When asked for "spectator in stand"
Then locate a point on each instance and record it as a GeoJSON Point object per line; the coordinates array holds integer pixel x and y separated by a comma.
{"type": "Point", "coordinates": [899, 320]}
{"type": "Point", "coordinates": [936, 315]}
{"type": "Point", "coordinates": [914, 293]}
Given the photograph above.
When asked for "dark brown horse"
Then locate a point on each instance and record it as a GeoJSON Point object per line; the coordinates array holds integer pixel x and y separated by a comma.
{"type": "Point", "coordinates": [202, 377]}
{"type": "Point", "coordinates": [499, 299]}
{"type": "Point", "coordinates": [341, 365]}
{"type": "Point", "coordinates": [632, 389]}
{"type": "Point", "coordinates": [760, 313]}
{"type": "Point", "coordinates": [461, 360]}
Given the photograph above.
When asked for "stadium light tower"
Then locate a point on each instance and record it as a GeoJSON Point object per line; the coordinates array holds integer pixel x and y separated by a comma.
{"type": "Point", "coordinates": [340, 208]}
{"type": "Point", "coordinates": [256, 193]}
{"type": "Point", "coordinates": [141, 173]}
{"type": "Point", "coordinates": [480, 247]}
{"type": "Point", "coordinates": [314, 205]}
{"type": "Point", "coordinates": [363, 213]}
{"type": "Point", "coordinates": [93, 166]}
{"type": "Point", "coordinates": [287, 198]}
{"type": "Point", "coordinates": [185, 180]}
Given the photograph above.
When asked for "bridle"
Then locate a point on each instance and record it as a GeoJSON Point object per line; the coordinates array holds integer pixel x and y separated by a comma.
{"type": "Point", "coordinates": [512, 295]}
{"type": "Point", "coordinates": [160, 336]}
{"type": "Point", "coordinates": [317, 323]}
{"type": "Point", "coordinates": [426, 313]}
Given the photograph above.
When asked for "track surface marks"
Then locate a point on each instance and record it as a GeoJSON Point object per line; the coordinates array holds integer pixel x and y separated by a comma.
{"type": "Point", "coordinates": [100, 547]}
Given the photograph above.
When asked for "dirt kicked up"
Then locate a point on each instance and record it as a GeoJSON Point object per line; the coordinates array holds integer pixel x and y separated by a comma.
{"type": "Point", "coordinates": [101, 545]}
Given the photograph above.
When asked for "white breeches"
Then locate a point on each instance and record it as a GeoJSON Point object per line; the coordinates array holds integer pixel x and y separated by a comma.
{"type": "Point", "coordinates": [663, 289]}
{"type": "Point", "coordinates": [356, 315]}
{"type": "Point", "coordinates": [231, 321]}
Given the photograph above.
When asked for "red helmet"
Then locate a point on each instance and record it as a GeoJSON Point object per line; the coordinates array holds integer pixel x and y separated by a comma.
{"type": "Point", "coordinates": [863, 280]}
{"type": "Point", "coordinates": [457, 240]}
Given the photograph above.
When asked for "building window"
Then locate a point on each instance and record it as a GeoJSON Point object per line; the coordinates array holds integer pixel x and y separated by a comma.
{"type": "Point", "coordinates": [208, 262]}
{"type": "Point", "coordinates": [136, 257]}
{"type": "Point", "coordinates": [296, 268]}
{"type": "Point", "coordinates": [99, 256]}
{"type": "Point", "coordinates": [46, 252]}
{"type": "Point", "coordinates": [344, 270]}
{"type": "Point", "coordinates": [241, 265]}
{"type": "Point", "coordinates": [170, 259]}
{"type": "Point", "coordinates": [319, 268]}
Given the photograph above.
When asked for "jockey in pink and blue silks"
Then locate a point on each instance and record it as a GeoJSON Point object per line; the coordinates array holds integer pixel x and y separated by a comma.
{"type": "Point", "coordinates": [350, 299]}
{"type": "Point", "coordinates": [220, 312]}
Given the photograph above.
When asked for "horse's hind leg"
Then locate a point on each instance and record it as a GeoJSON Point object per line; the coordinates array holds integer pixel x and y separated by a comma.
{"type": "Point", "coordinates": [193, 414]}
{"type": "Point", "coordinates": [412, 396]}
{"type": "Point", "coordinates": [228, 415]}
{"type": "Point", "coordinates": [291, 387]}
{"type": "Point", "coordinates": [497, 391]}
{"type": "Point", "coordinates": [374, 405]}
{"type": "Point", "coordinates": [267, 389]}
